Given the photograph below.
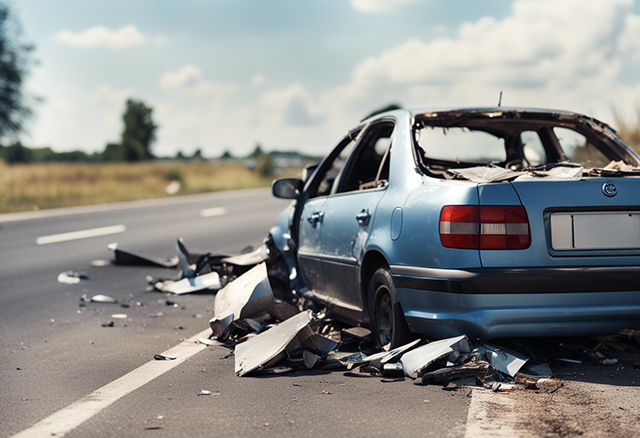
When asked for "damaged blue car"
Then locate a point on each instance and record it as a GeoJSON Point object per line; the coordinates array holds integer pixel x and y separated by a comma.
{"type": "Point", "coordinates": [491, 222]}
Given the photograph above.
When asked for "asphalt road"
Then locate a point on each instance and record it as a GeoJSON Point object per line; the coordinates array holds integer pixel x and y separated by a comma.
{"type": "Point", "coordinates": [54, 352]}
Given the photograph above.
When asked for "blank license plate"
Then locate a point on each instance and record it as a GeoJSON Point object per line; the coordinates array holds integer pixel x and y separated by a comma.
{"type": "Point", "coordinates": [602, 230]}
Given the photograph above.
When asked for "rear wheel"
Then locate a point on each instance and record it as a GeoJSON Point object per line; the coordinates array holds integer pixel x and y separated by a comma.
{"type": "Point", "coordinates": [387, 317]}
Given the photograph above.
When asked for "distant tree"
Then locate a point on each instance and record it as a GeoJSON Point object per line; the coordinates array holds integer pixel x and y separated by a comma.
{"type": "Point", "coordinates": [197, 155]}
{"type": "Point", "coordinates": [14, 66]}
{"type": "Point", "coordinates": [139, 131]}
{"type": "Point", "coordinates": [226, 155]}
{"type": "Point", "coordinates": [113, 152]}
{"type": "Point", "coordinates": [179, 156]}
{"type": "Point", "coordinates": [390, 107]}
{"type": "Point", "coordinates": [257, 152]}
{"type": "Point", "coordinates": [264, 165]}
{"type": "Point", "coordinates": [16, 153]}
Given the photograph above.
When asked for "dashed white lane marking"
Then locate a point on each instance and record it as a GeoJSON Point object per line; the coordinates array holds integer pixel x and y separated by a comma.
{"type": "Point", "coordinates": [492, 414]}
{"type": "Point", "coordinates": [77, 413]}
{"type": "Point", "coordinates": [75, 235]}
{"type": "Point", "coordinates": [210, 212]}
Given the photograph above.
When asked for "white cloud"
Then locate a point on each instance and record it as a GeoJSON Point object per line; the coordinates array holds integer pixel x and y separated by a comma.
{"type": "Point", "coordinates": [106, 96]}
{"type": "Point", "coordinates": [257, 80]}
{"type": "Point", "coordinates": [546, 53]}
{"type": "Point", "coordinates": [101, 36]}
{"type": "Point", "coordinates": [375, 6]}
{"type": "Point", "coordinates": [190, 79]}
{"type": "Point", "coordinates": [291, 106]}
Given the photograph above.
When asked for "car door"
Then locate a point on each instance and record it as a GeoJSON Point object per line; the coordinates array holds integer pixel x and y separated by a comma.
{"type": "Point", "coordinates": [311, 217]}
{"type": "Point", "coordinates": [348, 214]}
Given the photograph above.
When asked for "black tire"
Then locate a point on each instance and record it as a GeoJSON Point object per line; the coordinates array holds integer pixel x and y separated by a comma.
{"type": "Point", "coordinates": [387, 319]}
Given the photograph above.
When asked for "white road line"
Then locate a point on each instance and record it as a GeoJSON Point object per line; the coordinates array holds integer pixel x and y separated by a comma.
{"type": "Point", "coordinates": [129, 205]}
{"type": "Point", "coordinates": [210, 212]}
{"type": "Point", "coordinates": [493, 414]}
{"type": "Point", "coordinates": [77, 413]}
{"type": "Point", "coordinates": [75, 235]}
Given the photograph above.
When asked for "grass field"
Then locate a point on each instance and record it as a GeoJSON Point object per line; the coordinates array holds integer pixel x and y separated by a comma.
{"type": "Point", "coordinates": [25, 187]}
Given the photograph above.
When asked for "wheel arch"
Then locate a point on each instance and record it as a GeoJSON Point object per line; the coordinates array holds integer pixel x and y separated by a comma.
{"type": "Point", "coordinates": [371, 261]}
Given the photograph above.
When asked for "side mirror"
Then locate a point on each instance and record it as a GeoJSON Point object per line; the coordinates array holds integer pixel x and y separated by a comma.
{"type": "Point", "coordinates": [287, 188]}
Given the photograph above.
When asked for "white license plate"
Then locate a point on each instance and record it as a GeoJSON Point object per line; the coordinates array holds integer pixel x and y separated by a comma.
{"type": "Point", "coordinates": [602, 230]}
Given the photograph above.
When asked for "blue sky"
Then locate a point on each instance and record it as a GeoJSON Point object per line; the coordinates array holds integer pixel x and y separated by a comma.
{"type": "Point", "coordinates": [293, 74]}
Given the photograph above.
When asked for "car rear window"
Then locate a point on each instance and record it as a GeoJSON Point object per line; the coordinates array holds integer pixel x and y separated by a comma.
{"type": "Point", "coordinates": [577, 148]}
{"type": "Point", "coordinates": [460, 144]}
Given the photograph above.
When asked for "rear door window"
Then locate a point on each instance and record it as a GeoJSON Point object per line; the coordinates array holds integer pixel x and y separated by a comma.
{"type": "Point", "coordinates": [577, 148]}
{"type": "Point", "coordinates": [461, 144]}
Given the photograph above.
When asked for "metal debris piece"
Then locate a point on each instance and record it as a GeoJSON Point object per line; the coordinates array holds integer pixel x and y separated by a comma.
{"type": "Point", "coordinates": [310, 359]}
{"type": "Point", "coordinates": [536, 371]}
{"type": "Point", "coordinates": [250, 295]}
{"type": "Point", "coordinates": [502, 387]}
{"type": "Point", "coordinates": [276, 370]}
{"type": "Point", "coordinates": [100, 263]}
{"type": "Point", "coordinates": [323, 345]}
{"type": "Point", "coordinates": [119, 316]}
{"type": "Point", "coordinates": [283, 311]}
{"type": "Point", "coordinates": [503, 359]}
{"type": "Point", "coordinates": [103, 299]}
{"type": "Point", "coordinates": [210, 281]}
{"type": "Point", "coordinates": [204, 392]}
{"type": "Point", "coordinates": [209, 342]}
{"type": "Point", "coordinates": [164, 357]}
{"type": "Point", "coordinates": [355, 333]}
{"type": "Point", "coordinates": [108, 324]}
{"type": "Point", "coordinates": [392, 370]}
{"type": "Point", "coordinates": [443, 376]}
{"type": "Point", "coordinates": [71, 277]}
{"type": "Point", "coordinates": [419, 359]}
{"type": "Point", "coordinates": [267, 348]}
{"type": "Point", "coordinates": [122, 257]}
{"type": "Point", "coordinates": [378, 360]}
{"type": "Point", "coordinates": [254, 257]}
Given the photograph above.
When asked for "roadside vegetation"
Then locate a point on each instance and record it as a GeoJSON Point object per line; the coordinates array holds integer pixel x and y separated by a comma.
{"type": "Point", "coordinates": [25, 187]}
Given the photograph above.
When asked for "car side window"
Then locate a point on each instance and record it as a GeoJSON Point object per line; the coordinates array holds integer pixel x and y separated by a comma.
{"type": "Point", "coordinates": [369, 165]}
{"type": "Point", "coordinates": [578, 149]}
{"type": "Point", "coordinates": [533, 148]}
{"type": "Point", "coordinates": [323, 182]}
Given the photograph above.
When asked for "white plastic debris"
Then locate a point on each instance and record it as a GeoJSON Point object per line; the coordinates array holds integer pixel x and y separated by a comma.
{"type": "Point", "coordinates": [248, 296]}
{"type": "Point", "coordinates": [173, 187]}
{"type": "Point", "coordinates": [102, 299]}
{"type": "Point", "coordinates": [503, 359]}
{"type": "Point", "coordinates": [70, 277]}
{"type": "Point", "coordinates": [119, 316]}
{"type": "Point", "coordinates": [415, 360]}
{"type": "Point", "coordinates": [267, 348]}
{"type": "Point", "coordinates": [195, 284]}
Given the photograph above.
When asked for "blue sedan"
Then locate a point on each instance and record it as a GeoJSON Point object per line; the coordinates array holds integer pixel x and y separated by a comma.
{"type": "Point", "coordinates": [493, 222]}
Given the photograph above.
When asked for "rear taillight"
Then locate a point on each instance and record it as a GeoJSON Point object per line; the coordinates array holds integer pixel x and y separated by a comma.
{"type": "Point", "coordinates": [484, 227]}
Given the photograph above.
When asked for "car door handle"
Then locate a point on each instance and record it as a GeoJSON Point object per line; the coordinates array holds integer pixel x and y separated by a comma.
{"type": "Point", "coordinates": [315, 218]}
{"type": "Point", "coordinates": [363, 217]}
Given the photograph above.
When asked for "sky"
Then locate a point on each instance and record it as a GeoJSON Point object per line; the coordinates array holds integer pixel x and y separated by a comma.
{"type": "Point", "coordinates": [297, 74]}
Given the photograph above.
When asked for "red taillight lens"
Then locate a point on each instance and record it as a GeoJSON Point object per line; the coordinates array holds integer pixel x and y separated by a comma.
{"type": "Point", "coordinates": [484, 227]}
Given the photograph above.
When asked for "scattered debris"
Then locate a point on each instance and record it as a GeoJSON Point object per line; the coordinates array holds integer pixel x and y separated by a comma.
{"type": "Point", "coordinates": [119, 316]}
{"type": "Point", "coordinates": [164, 357]}
{"type": "Point", "coordinates": [122, 257]}
{"type": "Point", "coordinates": [417, 361]}
{"type": "Point", "coordinates": [71, 277]}
{"type": "Point", "coordinates": [108, 324]}
{"type": "Point", "coordinates": [210, 281]}
{"type": "Point", "coordinates": [248, 296]}
{"type": "Point", "coordinates": [268, 348]}
{"type": "Point", "coordinates": [99, 299]}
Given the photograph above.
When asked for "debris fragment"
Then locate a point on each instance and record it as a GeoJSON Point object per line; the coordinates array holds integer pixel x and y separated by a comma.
{"type": "Point", "coordinates": [119, 316]}
{"type": "Point", "coordinates": [252, 258]}
{"type": "Point", "coordinates": [100, 299]}
{"type": "Point", "coordinates": [506, 361]}
{"type": "Point", "coordinates": [355, 333]}
{"type": "Point", "coordinates": [122, 257]}
{"type": "Point", "coordinates": [418, 360]}
{"type": "Point", "coordinates": [267, 348]}
{"type": "Point", "coordinates": [71, 277]}
{"type": "Point", "coordinates": [164, 357]}
{"type": "Point", "coordinates": [100, 263]}
{"type": "Point", "coordinates": [250, 295]}
{"type": "Point", "coordinates": [108, 324]}
{"type": "Point", "coordinates": [210, 281]}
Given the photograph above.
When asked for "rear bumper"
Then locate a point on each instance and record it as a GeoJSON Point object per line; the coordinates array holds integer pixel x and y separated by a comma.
{"type": "Point", "coordinates": [495, 303]}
